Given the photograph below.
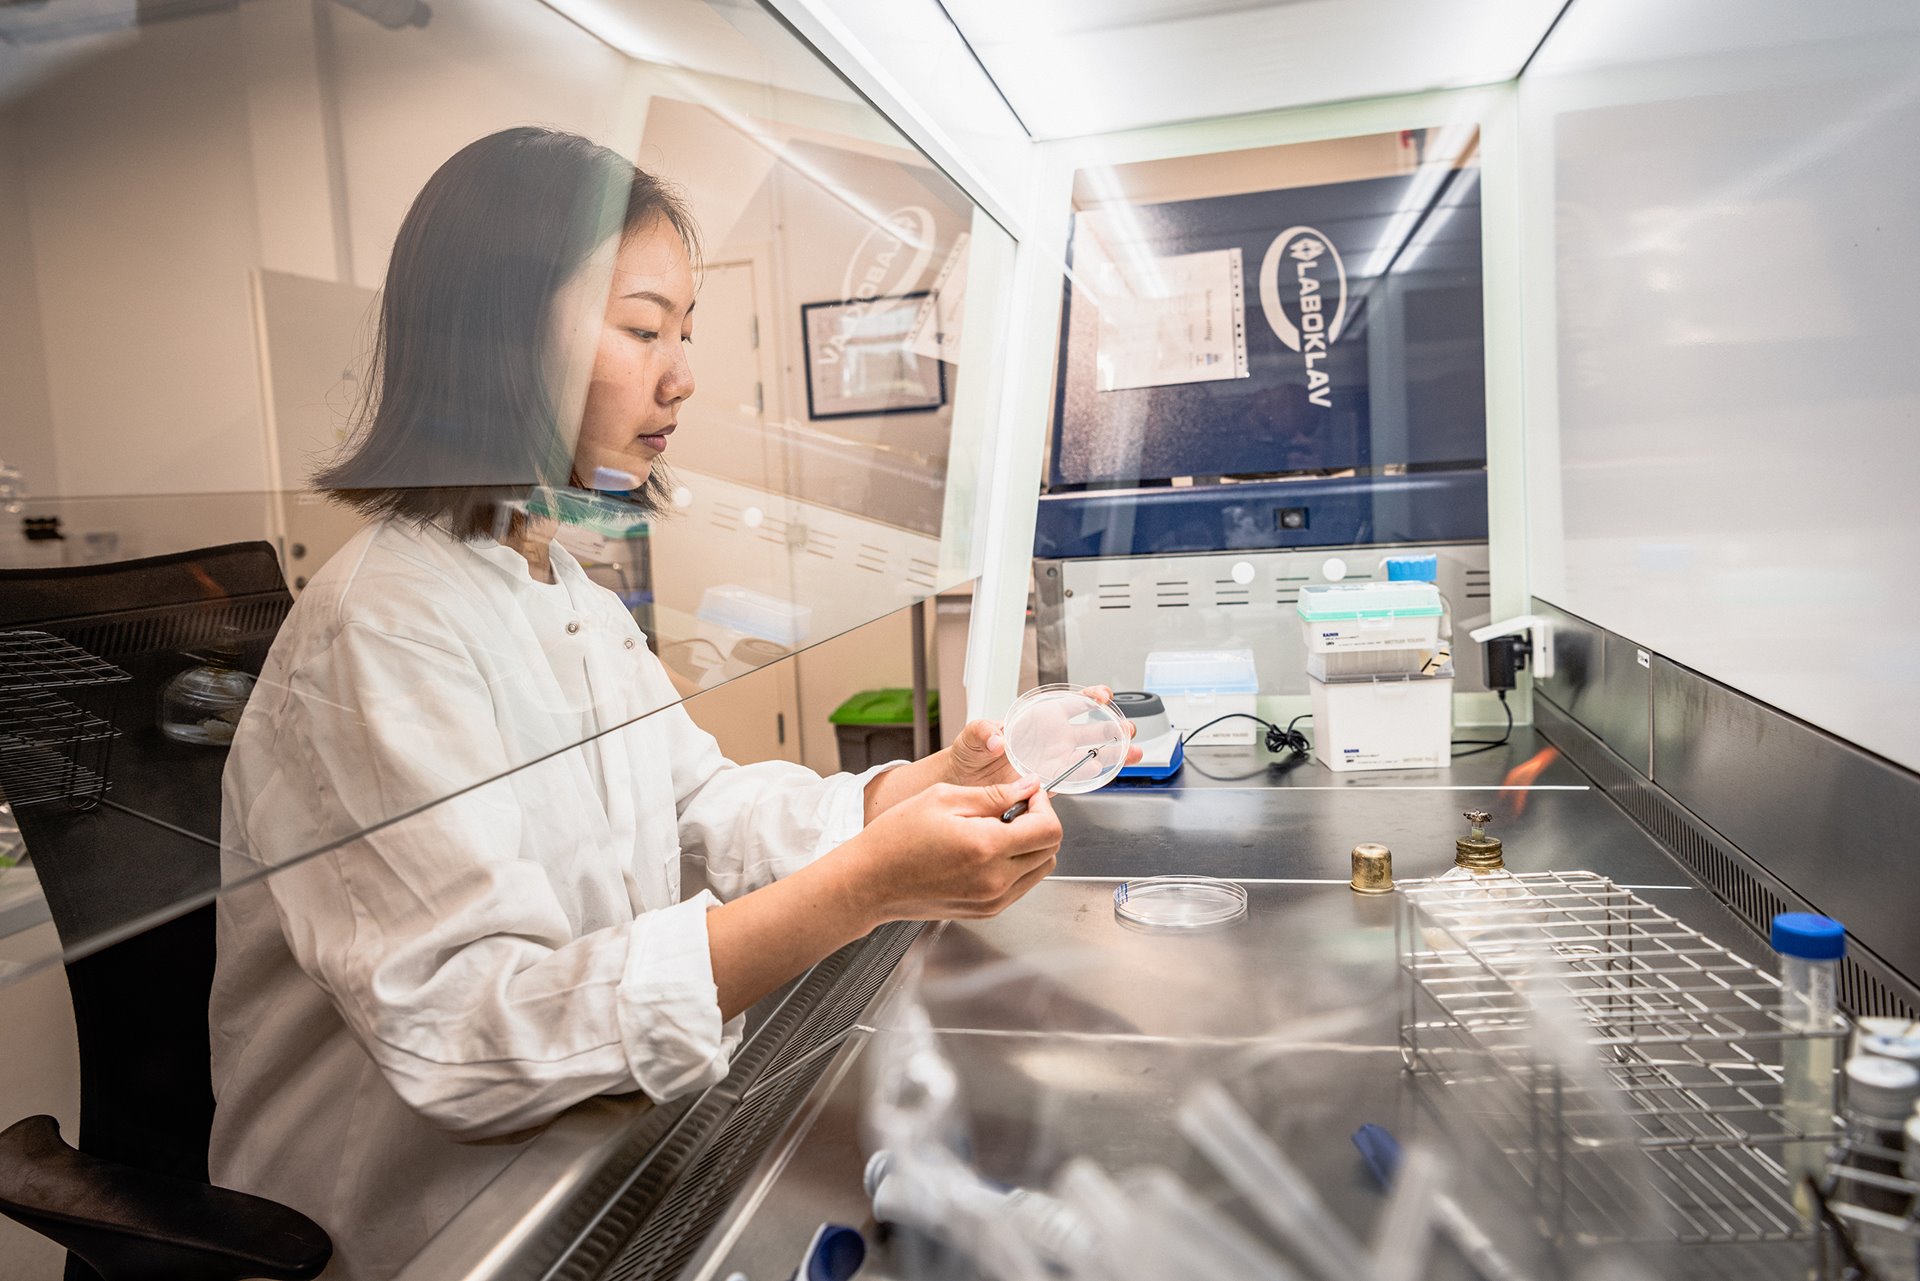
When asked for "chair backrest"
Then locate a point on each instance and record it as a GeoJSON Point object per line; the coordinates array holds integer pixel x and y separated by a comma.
{"type": "Point", "coordinates": [128, 879]}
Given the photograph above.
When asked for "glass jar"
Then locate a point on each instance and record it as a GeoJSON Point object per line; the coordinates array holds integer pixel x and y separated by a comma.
{"type": "Point", "coordinates": [202, 705]}
{"type": "Point", "coordinates": [1880, 1097]}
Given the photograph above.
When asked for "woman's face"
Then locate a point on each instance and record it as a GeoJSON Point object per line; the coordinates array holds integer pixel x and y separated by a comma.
{"type": "Point", "coordinates": [640, 370]}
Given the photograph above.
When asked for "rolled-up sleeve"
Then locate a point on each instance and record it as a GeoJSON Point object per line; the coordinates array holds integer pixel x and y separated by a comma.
{"type": "Point", "coordinates": [450, 954]}
{"type": "Point", "coordinates": [669, 1007]}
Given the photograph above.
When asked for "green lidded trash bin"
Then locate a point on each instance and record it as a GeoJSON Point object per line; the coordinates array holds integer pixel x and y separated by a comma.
{"type": "Point", "coordinates": [876, 725]}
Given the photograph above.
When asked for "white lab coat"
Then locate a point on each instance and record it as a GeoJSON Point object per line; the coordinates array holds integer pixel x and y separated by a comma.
{"type": "Point", "coordinates": [391, 1015]}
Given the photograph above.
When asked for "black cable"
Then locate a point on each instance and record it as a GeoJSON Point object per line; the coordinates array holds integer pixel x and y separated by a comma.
{"type": "Point", "coordinates": [1475, 746]}
{"type": "Point", "coordinates": [1277, 740]}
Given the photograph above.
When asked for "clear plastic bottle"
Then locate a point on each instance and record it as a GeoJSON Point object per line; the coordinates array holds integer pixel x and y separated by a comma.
{"type": "Point", "coordinates": [1426, 569]}
{"type": "Point", "coordinates": [945, 1200]}
{"type": "Point", "coordinates": [1810, 948]}
{"type": "Point", "coordinates": [202, 705]}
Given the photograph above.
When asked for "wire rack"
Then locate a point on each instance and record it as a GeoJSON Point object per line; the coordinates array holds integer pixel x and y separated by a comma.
{"type": "Point", "coordinates": [31, 660]}
{"type": "Point", "coordinates": [1624, 1063]}
{"type": "Point", "coordinates": [52, 747]}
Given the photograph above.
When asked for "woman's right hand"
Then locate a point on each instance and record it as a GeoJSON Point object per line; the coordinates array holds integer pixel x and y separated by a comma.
{"type": "Point", "coordinates": [938, 854]}
{"type": "Point", "coordinates": [944, 853]}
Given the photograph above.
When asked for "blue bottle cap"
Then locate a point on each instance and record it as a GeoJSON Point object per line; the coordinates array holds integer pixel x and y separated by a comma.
{"type": "Point", "coordinates": [1418, 569]}
{"type": "Point", "coordinates": [1809, 936]}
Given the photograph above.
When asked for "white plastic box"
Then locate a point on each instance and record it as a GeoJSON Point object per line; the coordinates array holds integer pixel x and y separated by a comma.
{"type": "Point", "coordinates": [1337, 617]}
{"type": "Point", "coordinates": [751, 613]}
{"type": "Point", "coordinates": [1385, 723]}
{"type": "Point", "coordinates": [1199, 685]}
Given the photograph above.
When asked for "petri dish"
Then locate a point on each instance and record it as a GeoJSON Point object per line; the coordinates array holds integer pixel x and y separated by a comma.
{"type": "Point", "coordinates": [1179, 902]}
{"type": "Point", "coordinates": [1050, 728]}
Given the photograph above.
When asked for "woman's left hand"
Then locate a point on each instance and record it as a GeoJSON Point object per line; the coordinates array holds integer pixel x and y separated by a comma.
{"type": "Point", "coordinates": [978, 757]}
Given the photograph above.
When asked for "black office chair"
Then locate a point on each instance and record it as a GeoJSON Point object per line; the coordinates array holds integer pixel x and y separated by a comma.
{"type": "Point", "coordinates": [129, 876]}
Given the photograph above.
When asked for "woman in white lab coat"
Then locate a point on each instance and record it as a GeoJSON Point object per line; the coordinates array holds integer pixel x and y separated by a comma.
{"type": "Point", "coordinates": [456, 808]}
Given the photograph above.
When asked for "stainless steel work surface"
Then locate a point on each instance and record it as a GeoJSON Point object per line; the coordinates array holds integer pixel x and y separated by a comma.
{"type": "Point", "coordinates": [1303, 823]}
{"type": "Point", "coordinates": [1075, 1035]}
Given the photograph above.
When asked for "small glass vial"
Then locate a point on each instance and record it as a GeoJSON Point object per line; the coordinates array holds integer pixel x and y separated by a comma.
{"type": "Point", "coordinates": [1880, 1097]}
{"type": "Point", "coordinates": [202, 705]}
{"type": "Point", "coordinates": [1476, 906]}
{"type": "Point", "coordinates": [1810, 948]}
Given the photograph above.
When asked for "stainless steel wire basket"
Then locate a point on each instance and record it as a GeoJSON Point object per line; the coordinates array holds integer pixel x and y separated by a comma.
{"type": "Point", "coordinates": [1627, 1066]}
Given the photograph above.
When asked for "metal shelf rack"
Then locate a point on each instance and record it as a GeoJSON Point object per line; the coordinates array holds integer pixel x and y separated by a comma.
{"type": "Point", "coordinates": [1625, 1064]}
{"type": "Point", "coordinates": [53, 748]}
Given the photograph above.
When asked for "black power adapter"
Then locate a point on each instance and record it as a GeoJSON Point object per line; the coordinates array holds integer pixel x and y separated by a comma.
{"type": "Point", "coordinates": [1506, 657]}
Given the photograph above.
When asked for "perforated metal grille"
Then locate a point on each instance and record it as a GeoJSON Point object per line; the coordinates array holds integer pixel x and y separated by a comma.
{"type": "Point", "coordinates": [828, 1021]}
{"type": "Point", "coordinates": [665, 1212]}
{"type": "Point", "coordinates": [175, 628]}
{"type": "Point", "coordinates": [1866, 987]}
{"type": "Point", "coordinates": [671, 1234]}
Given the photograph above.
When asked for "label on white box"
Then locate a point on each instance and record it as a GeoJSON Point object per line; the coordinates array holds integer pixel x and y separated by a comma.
{"type": "Point", "coordinates": [1189, 712]}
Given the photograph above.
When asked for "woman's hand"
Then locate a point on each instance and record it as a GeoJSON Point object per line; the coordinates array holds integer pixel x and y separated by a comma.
{"type": "Point", "coordinates": [938, 854]}
{"type": "Point", "coordinates": [978, 757]}
{"type": "Point", "coordinates": [944, 853]}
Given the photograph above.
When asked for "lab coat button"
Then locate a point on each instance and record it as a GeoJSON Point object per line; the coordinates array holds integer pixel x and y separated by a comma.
{"type": "Point", "coordinates": [572, 628]}
{"type": "Point", "coordinates": [628, 642]}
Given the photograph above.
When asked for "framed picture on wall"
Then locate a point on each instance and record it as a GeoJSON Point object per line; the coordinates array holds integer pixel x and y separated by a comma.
{"type": "Point", "coordinates": [864, 357]}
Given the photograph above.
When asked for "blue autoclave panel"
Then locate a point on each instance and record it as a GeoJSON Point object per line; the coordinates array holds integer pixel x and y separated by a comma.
{"type": "Point", "coordinates": [1362, 415]}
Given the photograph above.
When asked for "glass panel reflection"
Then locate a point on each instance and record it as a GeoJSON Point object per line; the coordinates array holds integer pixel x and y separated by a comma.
{"type": "Point", "coordinates": [395, 334]}
{"type": "Point", "coordinates": [414, 407]}
{"type": "Point", "coordinates": [1272, 377]}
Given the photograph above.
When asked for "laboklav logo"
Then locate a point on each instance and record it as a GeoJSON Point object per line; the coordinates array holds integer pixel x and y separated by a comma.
{"type": "Point", "coordinates": [1318, 298]}
{"type": "Point", "coordinates": [892, 258]}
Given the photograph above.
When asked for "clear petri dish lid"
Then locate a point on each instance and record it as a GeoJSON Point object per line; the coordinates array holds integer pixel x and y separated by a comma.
{"type": "Point", "coordinates": [1054, 727]}
{"type": "Point", "coordinates": [1179, 902]}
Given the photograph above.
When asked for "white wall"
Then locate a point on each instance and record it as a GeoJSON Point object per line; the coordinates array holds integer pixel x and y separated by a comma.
{"type": "Point", "coordinates": [409, 99]}
{"type": "Point", "coordinates": [146, 180]}
{"type": "Point", "coordinates": [140, 187]}
{"type": "Point", "coordinates": [1722, 207]}
{"type": "Point", "coordinates": [139, 208]}
{"type": "Point", "coordinates": [28, 440]}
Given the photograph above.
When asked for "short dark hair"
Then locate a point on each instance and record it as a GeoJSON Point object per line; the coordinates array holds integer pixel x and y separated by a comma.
{"type": "Point", "coordinates": [459, 416]}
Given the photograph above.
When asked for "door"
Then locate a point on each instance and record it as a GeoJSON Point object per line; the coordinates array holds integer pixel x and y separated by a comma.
{"type": "Point", "coordinates": [314, 340]}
